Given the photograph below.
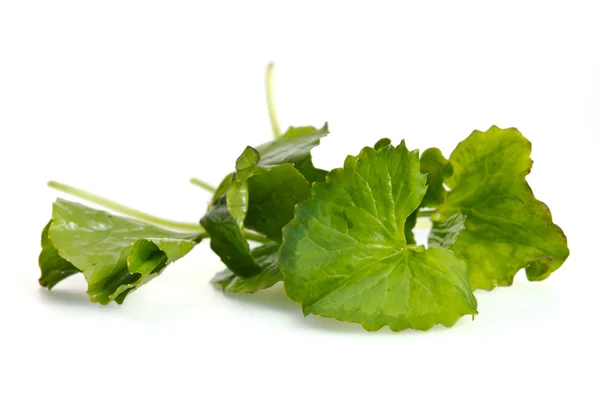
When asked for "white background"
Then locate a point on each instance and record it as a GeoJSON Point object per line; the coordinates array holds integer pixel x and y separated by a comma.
{"type": "Point", "coordinates": [130, 99]}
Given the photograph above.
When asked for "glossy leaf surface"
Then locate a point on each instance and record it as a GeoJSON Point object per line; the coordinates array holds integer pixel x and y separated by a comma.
{"type": "Point", "coordinates": [115, 254]}
{"type": "Point", "coordinates": [345, 254]}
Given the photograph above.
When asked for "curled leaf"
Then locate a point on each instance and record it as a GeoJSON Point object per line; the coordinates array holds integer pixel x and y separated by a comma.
{"type": "Point", "coordinates": [228, 241]}
{"type": "Point", "coordinates": [491, 218]}
{"type": "Point", "coordinates": [265, 257]}
{"type": "Point", "coordinates": [116, 255]}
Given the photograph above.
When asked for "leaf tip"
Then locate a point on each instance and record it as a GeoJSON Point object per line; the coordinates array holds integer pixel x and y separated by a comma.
{"type": "Point", "coordinates": [382, 143]}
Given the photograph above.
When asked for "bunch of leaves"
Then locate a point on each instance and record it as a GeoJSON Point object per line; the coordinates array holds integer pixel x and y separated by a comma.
{"type": "Point", "coordinates": [342, 241]}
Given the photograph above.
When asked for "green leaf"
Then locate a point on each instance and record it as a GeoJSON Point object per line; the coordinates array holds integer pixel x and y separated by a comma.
{"type": "Point", "coordinates": [434, 164]}
{"type": "Point", "coordinates": [262, 198]}
{"type": "Point", "coordinates": [345, 254]}
{"type": "Point", "coordinates": [237, 200]}
{"type": "Point", "coordinates": [54, 268]}
{"type": "Point", "coordinates": [246, 164]}
{"type": "Point", "coordinates": [268, 184]}
{"type": "Point", "coordinates": [247, 159]}
{"type": "Point", "coordinates": [383, 142]}
{"type": "Point", "coordinates": [410, 224]}
{"type": "Point", "coordinates": [116, 255]}
{"type": "Point", "coordinates": [269, 181]}
{"type": "Point", "coordinates": [437, 168]}
{"type": "Point", "coordinates": [265, 256]}
{"type": "Point", "coordinates": [444, 232]}
{"type": "Point", "coordinates": [273, 195]}
{"type": "Point", "coordinates": [505, 228]}
{"type": "Point", "coordinates": [222, 188]}
{"type": "Point", "coordinates": [227, 240]}
{"type": "Point", "coordinates": [291, 148]}
{"type": "Point", "coordinates": [294, 147]}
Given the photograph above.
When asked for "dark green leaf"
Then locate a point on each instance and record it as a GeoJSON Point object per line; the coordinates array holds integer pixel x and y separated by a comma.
{"type": "Point", "coordinates": [437, 168]}
{"type": "Point", "coordinates": [116, 255]}
{"type": "Point", "coordinates": [273, 194]}
{"type": "Point", "coordinates": [308, 170]}
{"type": "Point", "coordinates": [294, 147]}
{"type": "Point", "coordinates": [265, 256]}
{"type": "Point", "coordinates": [411, 221]}
{"type": "Point", "coordinates": [266, 184]}
{"type": "Point", "coordinates": [269, 181]}
{"type": "Point", "coordinates": [227, 240]}
{"type": "Point", "coordinates": [345, 254]}
{"type": "Point", "coordinates": [506, 228]}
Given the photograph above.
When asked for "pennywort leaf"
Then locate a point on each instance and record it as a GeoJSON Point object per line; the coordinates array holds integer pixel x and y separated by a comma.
{"type": "Point", "coordinates": [237, 200]}
{"type": "Point", "coordinates": [445, 232]}
{"type": "Point", "coordinates": [271, 195]}
{"type": "Point", "coordinates": [345, 254]}
{"type": "Point", "coordinates": [437, 168]}
{"type": "Point", "coordinates": [228, 241]}
{"type": "Point", "coordinates": [265, 257]}
{"type": "Point", "coordinates": [294, 148]}
{"type": "Point", "coordinates": [222, 188]}
{"type": "Point", "coordinates": [491, 218]}
{"type": "Point", "coordinates": [260, 196]}
{"type": "Point", "coordinates": [410, 224]}
{"type": "Point", "coordinates": [54, 268]}
{"type": "Point", "coordinates": [116, 255]}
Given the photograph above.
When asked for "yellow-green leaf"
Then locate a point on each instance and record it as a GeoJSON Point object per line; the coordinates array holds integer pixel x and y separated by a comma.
{"type": "Point", "coordinates": [502, 227]}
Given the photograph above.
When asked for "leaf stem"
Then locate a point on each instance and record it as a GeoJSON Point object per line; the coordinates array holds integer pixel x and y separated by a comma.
{"type": "Point", "coordinates": [142, 216]}
{"type": "Point", "coordinates": [259, 238]}
{"type": "Point", "coordinates": [271, 101]}
{"type": "Point", "coordinates": [112, 205]}
{"type": "Point", "coordinates": [203, 185]}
